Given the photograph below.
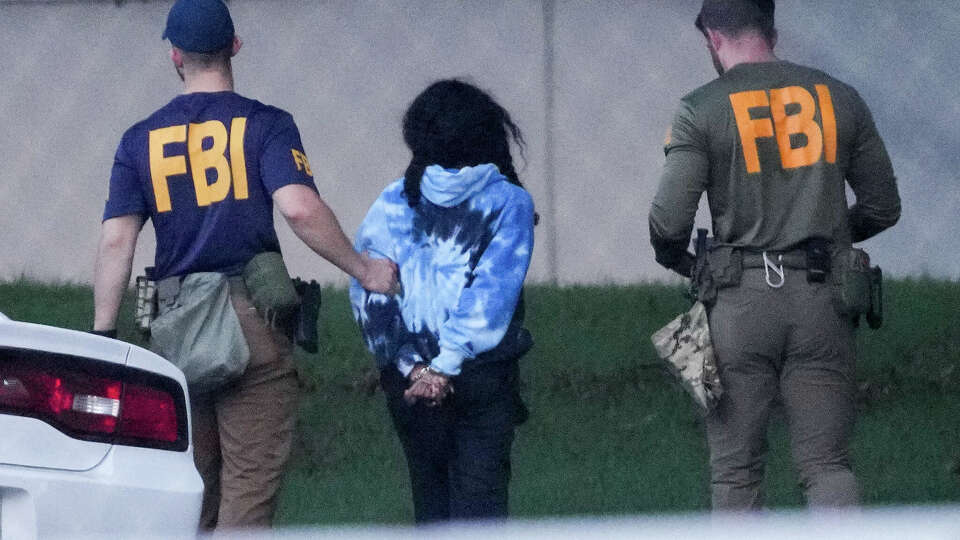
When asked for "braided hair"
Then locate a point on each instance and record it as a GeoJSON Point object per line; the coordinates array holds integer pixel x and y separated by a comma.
{"type": "Point", "coordinates": [455, 124]}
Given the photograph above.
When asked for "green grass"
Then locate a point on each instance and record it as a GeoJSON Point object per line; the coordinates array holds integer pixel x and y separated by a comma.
{"type": "Point", "coordinates": [610, 432]}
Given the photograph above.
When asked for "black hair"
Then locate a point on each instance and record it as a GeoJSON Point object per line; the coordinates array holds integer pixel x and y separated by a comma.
{"type": "Point", "coordinates": [455, 124]}
{"type": "Point", "coordinates": [733, 17]}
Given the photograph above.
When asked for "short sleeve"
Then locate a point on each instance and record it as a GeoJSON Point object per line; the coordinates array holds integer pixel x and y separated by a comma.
{"type": "Point", "coordinates": [126, 191]}
{"type": "Point", "coordinates": [283, 160]}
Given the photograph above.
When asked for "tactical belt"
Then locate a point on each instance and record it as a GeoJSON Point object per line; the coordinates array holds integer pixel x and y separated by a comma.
{"type": "Point", "coordinates": [796, 259]}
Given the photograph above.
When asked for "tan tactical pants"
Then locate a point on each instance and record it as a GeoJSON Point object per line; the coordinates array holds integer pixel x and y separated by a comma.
{"type": "Point", "coordinates": [242, 435]}
{"type": "Point", "coordinates": [788, 341]}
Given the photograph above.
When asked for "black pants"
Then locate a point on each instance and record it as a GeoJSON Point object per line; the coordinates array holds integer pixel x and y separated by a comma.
{"type": "Point", "coordinates": [458, 452]}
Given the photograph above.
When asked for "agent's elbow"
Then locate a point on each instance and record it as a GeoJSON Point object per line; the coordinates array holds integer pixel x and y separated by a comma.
{"type": "Point", "coordinates": [119, 235]}
{"type": "Point", "coordinates": [887, 218]}
{"type": "Point", "coordinates": [297, 203]}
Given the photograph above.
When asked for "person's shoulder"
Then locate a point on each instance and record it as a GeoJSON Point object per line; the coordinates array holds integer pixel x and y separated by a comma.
{"type": "Point", "coordinates": [704, 94]}
{"type": "Point", "coordinates": [394, 189]}
{"type": "Point", "coordinates": [518, 195]}
{"type": "Point", "coordinates": [506, 194]}
{"type": "Point", "coordinates": [841, 92]}
{"type": "Point", "coordinates": [157, 118]}
{"type": "Point", "coordinates": [696, 106]}
{"type": "Point", "coordinates": [393, 193]}
{"type": "Point", "coordinates": [267, 113]}
{"type": "Point", "coordinates": [267, 109]}
{"type": "Point", "coordinates": [391, 203]}
{"type": "Point", "coordinates": [134, 131]}
{"type": "Point", "coordinates": [813, 73]}
{"type": "Point", "coordinates": [697, 94]}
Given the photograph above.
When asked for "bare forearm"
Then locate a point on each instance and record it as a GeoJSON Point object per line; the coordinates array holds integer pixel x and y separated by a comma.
{"type": "Point", "coordinates": [112, 277]}
{"type": "Point", "coordinates": [321, 231]}
{"type": "Point", "coordinates": [114, 262]}
{"type": "Point", "coordinates": [314, 223]}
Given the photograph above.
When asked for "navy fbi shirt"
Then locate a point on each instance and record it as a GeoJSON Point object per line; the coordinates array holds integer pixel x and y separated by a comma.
{"type": "Point", "coordinates": [203, 168]}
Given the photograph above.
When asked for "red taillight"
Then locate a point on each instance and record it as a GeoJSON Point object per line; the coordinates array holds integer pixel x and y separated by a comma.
{"type": "Point", "coordinates": [148, 413]}
{"type": "Point", "coordinates": [114, 405]}
{"type": "Point", "coordinates": [75, 400]}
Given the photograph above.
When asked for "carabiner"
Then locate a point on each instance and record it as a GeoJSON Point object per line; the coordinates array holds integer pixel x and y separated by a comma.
{"type": "Point", "coordinates": [777, 269]}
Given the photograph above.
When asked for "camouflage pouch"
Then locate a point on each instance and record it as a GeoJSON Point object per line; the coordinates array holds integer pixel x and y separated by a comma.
{"type": "Point", "coordinates": [685, 345]}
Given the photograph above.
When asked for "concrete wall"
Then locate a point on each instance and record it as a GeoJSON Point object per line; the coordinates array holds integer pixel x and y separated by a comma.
{"type": "Point", "coordinates": [75, 74]}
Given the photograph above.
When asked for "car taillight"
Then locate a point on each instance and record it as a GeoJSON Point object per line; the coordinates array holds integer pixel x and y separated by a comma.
{"type": "Point", "coordinates": [148, 413]}
{"type": "Point", "coordinates": [78, 402]}
{"type": "Point", "coordinates": [94, 401]}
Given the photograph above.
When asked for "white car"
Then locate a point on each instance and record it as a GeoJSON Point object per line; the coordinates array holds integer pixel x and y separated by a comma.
{"type": "Point", "coordinates": [94, 439]}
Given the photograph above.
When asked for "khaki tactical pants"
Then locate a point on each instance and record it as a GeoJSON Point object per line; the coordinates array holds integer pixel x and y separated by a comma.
{"type": "Point", "coordinates": [242, 434]}
{"type": "Point", "coordinates": [788, 341]}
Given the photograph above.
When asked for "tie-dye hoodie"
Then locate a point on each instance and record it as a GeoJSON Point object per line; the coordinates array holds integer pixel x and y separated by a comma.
{"type": "Point", "coordinates": [463, 254]}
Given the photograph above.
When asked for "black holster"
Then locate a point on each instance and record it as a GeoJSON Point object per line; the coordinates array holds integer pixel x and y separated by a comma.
{"type": "Point", "coordinates": [305, 324]}
{"type": "Point", "coordinates": [818, 259]}
{"type": "Point", "coordinates": [701, 282]}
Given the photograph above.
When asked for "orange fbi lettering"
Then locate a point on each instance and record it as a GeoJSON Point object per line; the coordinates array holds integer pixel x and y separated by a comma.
{"type": "Point", "coordinates": [212, 134]}
{"type": "Point", "coordinates": [784, 125]}
{"type": "Point", "coordinates": [301, 160]}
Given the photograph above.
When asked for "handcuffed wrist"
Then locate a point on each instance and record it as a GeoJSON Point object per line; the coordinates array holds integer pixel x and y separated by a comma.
{"type": "Point", "coordinates": [447, 363]}
{"type": "Point", "coordinates": [414, 377]}
{"type": "Point", "coordinates": [407, 362]}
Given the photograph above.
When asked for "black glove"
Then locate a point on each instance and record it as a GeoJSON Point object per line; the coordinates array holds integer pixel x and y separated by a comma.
{"type": "Point", "coordinates": [112, 333]}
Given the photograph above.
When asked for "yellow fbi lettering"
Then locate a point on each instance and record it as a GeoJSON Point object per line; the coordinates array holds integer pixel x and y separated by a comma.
{"type": "Point", "coordinates": [821, 139]}
{"type": "Point", "coordinates": [301, 161]}
{"type": "Point", "coordinates": [233, 171]}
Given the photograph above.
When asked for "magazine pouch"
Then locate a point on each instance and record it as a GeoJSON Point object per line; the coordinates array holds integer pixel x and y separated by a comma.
{"type": "Point", "coordinates": [852, 278]}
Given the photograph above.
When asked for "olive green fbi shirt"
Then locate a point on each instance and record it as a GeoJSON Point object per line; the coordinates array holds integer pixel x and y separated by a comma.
{"type": "Point", "coordinates": [772, 145]}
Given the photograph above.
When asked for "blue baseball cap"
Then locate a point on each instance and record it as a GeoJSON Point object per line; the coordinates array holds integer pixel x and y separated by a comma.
{"type": "Point", "coordinates": [201, 26]}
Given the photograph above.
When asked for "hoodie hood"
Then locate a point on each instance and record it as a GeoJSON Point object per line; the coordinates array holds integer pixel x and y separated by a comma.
{"type": "Point", "coordinates": [450, 187]}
